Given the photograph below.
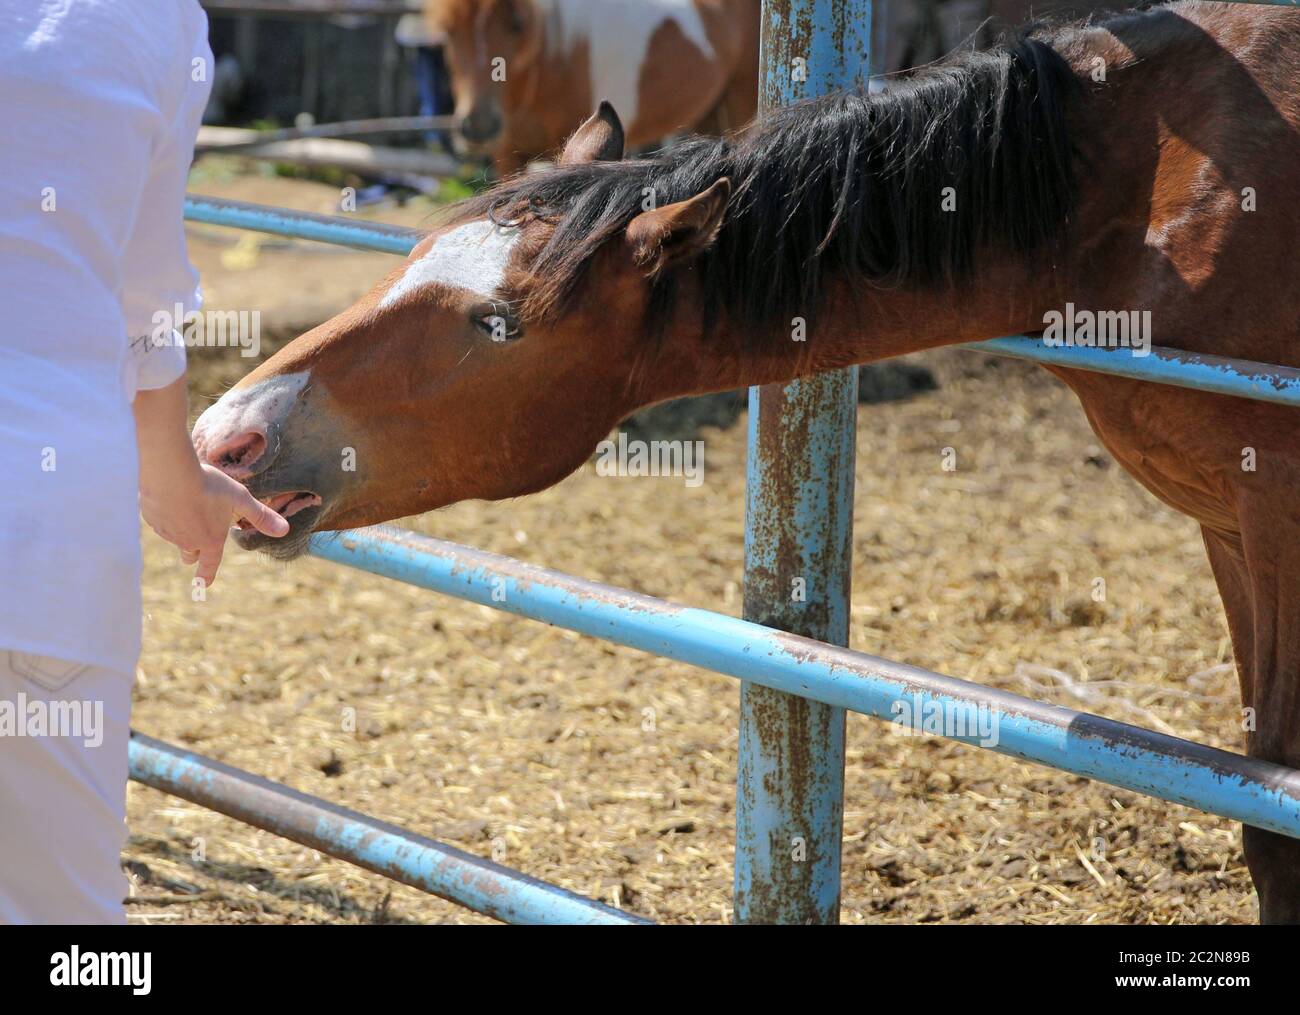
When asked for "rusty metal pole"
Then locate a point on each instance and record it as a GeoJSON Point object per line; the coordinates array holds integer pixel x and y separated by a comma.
{"type": "Point", "coordinates": [798, 545]}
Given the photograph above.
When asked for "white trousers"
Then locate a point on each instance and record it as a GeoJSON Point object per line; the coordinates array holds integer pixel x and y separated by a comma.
{"type": "Point", "coordinates": [64, 728]}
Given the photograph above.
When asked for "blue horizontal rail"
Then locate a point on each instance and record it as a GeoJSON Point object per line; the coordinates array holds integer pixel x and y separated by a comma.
{"type": "Point", "coordinates": [1255, 792]}
{"type": "Point", "coordinates": [1263, 382]}
{"type": "Point", "coordinates": [302, 225]}
{"type": "Point", "coordinates": [459, 877]}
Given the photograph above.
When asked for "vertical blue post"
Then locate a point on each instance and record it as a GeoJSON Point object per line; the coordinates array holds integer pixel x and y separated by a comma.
{"type": "Point", "coordinates": [798, 545]}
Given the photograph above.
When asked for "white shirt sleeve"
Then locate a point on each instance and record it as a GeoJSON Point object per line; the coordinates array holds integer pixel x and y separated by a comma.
{"type": "Point", "coordinates": [160, 286]}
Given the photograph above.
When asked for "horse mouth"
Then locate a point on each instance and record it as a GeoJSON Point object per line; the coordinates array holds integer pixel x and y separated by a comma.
{"type": "Point", "coordinates": [301, 508]}
{"type": "Point", "coordinates": [287, 504]}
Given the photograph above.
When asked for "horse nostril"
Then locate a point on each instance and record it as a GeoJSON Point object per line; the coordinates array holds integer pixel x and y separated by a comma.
{"type": "Point", "coordinates": [239, 456]}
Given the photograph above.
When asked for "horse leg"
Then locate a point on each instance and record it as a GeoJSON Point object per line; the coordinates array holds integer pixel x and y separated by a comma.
{"type": "Point", "coordinates": [1258, 574]}
{"type": "Point", "coordinates": [1188, 449]}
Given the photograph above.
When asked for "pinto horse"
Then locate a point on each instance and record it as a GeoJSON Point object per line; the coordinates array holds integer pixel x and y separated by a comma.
{"type": "Point", "coordinates": [525, 72]}
{"type": "Point", "coordinates": [1150, 163]}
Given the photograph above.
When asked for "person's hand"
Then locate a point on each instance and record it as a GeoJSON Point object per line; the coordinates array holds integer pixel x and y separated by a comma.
{"type": "Point", "coordinates": [195, 515]}
{"type": "Point", "coordinates": [189, 504]}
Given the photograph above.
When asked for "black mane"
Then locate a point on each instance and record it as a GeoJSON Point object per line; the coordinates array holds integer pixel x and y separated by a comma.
{"type": "Point", "coordinates": [846, 183]}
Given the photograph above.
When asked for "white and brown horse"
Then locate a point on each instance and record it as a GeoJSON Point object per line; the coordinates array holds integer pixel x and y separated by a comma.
{"type": "Point", "coordinates": [526, 72]}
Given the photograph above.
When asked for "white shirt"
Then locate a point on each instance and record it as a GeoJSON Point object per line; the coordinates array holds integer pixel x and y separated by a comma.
{"type": "Point", "coordinates": [102, 101]}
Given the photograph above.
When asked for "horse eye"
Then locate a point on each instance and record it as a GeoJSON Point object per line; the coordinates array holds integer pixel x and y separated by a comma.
{"type": "Point", "coordinates": [498, 327]}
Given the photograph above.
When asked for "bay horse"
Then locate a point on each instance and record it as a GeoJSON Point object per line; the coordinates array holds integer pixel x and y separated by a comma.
{"type": "Point", "coordinates": [1150, 162]}
{"type": "Point", "coordinates": [526, 72]}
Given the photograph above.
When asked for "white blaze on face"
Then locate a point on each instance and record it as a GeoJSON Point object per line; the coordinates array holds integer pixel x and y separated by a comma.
{"type": "Point", "coordinates": [618, 33]}
{"type": "Point", "coordinates": [472, 256]}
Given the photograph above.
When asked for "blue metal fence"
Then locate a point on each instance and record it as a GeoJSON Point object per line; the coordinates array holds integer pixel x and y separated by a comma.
{"type": "Point", "coordinates": [795, 686]}
{"type": "Point", "coordinates": [798, 528]}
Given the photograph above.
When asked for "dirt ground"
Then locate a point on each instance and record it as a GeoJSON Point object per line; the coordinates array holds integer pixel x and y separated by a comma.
{"type": "Point", "coordinates": [611, 772]}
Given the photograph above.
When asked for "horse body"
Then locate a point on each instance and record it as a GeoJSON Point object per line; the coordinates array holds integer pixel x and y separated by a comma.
{"type": "Point", "coordinates": [1148, 163]}
{"type": "Point", "coordinates": [1212, 144]}
{"type": "Point", "coordinates": [671, 65]}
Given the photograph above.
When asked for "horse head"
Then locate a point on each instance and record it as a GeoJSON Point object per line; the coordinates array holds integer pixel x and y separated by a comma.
{"type": "Point", "coordinates": [463, 374]}
{"type": "Point", "coordinates": [489, 42]}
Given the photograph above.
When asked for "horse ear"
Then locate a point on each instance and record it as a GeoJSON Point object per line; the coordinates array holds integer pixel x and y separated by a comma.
{"type": "Point", "coordinates": [668, 236]}
{"type": "Point", "coordinates": [600, 139]}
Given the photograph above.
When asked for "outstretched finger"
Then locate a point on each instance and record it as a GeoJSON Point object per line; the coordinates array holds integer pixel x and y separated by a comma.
{"type": "Point", "coordinates": [209, 562]}
{"type": "Point", "coordinates": [261, 517]}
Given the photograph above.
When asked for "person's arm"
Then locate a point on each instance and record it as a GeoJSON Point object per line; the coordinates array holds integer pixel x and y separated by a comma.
{"type": "Point", "coordinates": [189, 504]}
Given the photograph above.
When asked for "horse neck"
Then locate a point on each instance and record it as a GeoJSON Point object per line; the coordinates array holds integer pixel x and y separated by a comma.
{"type": "Point", "coordinates": [541, 92]}
{"type": "Point", "coordinates": [858, 322]}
